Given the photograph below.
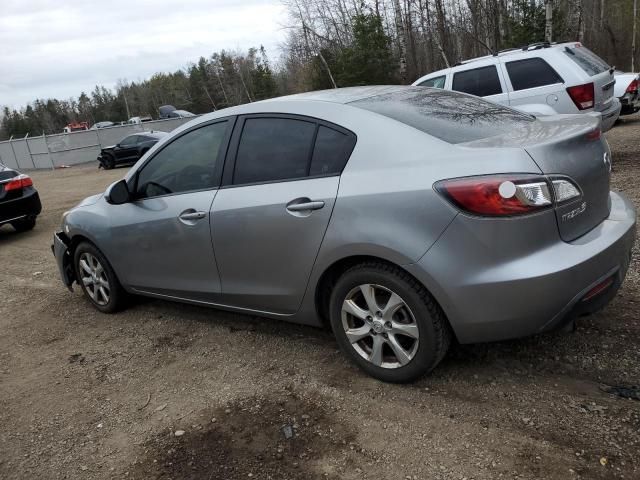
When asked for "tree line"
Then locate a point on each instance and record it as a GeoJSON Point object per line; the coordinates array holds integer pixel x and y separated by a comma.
{"type": "Point", "coordinates": [339, 43]}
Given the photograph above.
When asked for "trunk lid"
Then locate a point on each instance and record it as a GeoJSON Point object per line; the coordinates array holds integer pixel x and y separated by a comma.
{"type": "Point", "coordinates": [564, 146]}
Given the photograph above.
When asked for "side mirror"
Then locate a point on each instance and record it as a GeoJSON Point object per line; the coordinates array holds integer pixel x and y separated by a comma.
{"type": "Point", "coordinates": [118, 193]}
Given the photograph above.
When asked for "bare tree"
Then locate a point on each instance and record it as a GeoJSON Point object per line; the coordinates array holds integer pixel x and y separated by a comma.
{"type": "Point", "coordinates": [402, 42]}
{"type": "Point", "coordinates": [548, 23]}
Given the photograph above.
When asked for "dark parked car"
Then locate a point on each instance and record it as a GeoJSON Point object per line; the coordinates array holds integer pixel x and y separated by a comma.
{"type": "Point", "coordinates": [129, 150]}
{"type": "Point", "coordinates": [19, 200]}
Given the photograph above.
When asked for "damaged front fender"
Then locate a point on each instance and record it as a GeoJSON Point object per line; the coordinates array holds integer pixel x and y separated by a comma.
{"type": "Point", "coordinates": [60, 249]}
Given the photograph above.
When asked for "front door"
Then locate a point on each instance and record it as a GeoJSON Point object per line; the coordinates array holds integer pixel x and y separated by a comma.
{"type": "Point", "coordinates": [268, 222]}
{"type": "Point", "coordinates": [162, 240]}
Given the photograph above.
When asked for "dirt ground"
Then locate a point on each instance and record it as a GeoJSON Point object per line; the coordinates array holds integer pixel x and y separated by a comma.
{"type": "Point", "coordinates": [86, 395]}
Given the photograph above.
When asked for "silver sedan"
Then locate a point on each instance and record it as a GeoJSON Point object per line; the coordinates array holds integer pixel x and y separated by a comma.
{"type": "Point", "coordinates": [403, 217]}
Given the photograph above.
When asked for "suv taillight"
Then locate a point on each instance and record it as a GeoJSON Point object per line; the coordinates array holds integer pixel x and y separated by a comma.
{"type": "Point", "coordinates": [633, 87]}
{"type": "Point", "coordinates": [21, 181]}
{"type": "Point", "coordinates": [506, 195]}
{"type": "Point", "coordinates": [582, 95]}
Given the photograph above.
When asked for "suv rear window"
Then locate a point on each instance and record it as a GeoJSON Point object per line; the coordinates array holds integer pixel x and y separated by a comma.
{"type": "Point", "coordinates": [591, 63]}
{"type": "Point", "coordinates": [449, 116]}
{"type": "Point", "coordinates": [531, 73]}
{"type": "Point", "coordinates": [482, 81]}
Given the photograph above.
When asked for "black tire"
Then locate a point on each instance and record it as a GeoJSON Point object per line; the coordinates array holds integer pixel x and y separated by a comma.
{"type": "Point", "coordinates": [434, 334]}
{"type": "Point", "coordinates": [117, 295]}
{"type": "Point", "coordinates": [109, 162]}
{"type": "Point", "coordinates": [24, 224]}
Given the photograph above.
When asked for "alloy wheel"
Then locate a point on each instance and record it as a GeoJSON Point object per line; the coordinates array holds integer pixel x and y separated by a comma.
{"type": "Point", "coordinates": [94, 278]}
{"type": "Point", "coordinates": [380, 326]}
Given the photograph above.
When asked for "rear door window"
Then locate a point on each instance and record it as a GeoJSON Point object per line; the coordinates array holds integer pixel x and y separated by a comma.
{"type": "Point", "coordinates": [482, 82]}
{"type": "Point", "coordinates": [591, 63]}
{"type": "Point", "coordinates": [272, 149]}
{"type": "Point", "coordinates": [437, 82]}
{"type": "Point", "coordinates": [531, 73]}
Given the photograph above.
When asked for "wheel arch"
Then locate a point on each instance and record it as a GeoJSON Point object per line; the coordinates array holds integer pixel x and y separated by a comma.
{"type": "Point", "coordinates": [337, 268]}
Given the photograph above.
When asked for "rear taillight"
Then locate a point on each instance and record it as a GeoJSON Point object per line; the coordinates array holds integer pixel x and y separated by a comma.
{"type": "Point", "coordinates": [507, 195]}
{"type": "Point", "coordinates": [564, 190]}
{"type": "Point", "coordinates": [582, 95]}
{"type": "Point", "coordinates": [633, 86]}
{"type": "Point", "coordinates": [497, 196]}
{"type": "Point", "coordinates": [21, 181]}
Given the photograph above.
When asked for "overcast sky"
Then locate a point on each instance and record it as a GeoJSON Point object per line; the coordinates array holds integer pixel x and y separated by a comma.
{"type": "Point", "coordinates": [59, 48]}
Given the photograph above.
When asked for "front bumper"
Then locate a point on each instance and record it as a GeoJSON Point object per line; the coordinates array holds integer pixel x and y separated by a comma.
{"type": "Point", "coordinates": [493, 286]}
{"type": "Point", "coordinates": [60, 249]}
{"type": "Point", "coordinates": [26, 206]}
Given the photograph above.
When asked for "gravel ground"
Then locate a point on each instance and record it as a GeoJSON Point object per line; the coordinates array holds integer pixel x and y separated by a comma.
{"type": "Point", "coordinates": [171, 391]}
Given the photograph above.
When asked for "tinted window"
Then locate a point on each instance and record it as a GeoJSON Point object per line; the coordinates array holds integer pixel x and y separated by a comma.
{"type": "Point", "coordinates": [437, 82]}
{"type": "Point", "coordinates": [273, 149]}
{"type": "Point", "coordinates": [188, 163]}
{"type": "Point", "coordinates": [479, 81]}
{"type": "Point", "coordinates": [331, 151]}
{"type": "Point", "coordinates": [128, 141]}
{"type": "Point", "coordinates": [531, 73]}
{"type": "Point", "coordinates": [449, 116]}
{"type": "Point", "coordinates": [587, 60]}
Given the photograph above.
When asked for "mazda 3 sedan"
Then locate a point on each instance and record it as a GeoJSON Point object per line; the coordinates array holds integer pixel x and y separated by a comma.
{"type": "Point", "coordinates": [403, 217]}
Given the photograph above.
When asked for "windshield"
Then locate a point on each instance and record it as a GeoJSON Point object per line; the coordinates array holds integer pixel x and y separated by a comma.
{"type": "Point", "coordinates": [450, 116]}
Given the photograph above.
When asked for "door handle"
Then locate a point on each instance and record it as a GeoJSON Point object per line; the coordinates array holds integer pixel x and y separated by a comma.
{"type": "Point", "coordinates": [306, 206]}
{"type": "Point", "coordinates": [191, 215]}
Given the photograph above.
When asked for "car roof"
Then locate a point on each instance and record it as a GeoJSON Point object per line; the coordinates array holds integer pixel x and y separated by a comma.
{"type": "Point", "coordinates": [341, 95]}
{"type": "Point", "coordinates": [536, 49]}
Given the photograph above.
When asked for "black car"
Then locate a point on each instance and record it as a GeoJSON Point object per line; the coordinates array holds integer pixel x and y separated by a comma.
{"type": "Point", "coordinates": [129, 150]}
{"type": "Point", "coordinates": [19, 200]}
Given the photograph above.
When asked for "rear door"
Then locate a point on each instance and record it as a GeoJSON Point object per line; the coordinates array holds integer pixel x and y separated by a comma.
{"type": "Point", "coordinates": [532, 81]}
{"type": "Point", "coordinates": [483, 80]}
{"type": "Point", "coordinates": [597, 71]}
{"type": "Point", "coordinates": [269, 219]}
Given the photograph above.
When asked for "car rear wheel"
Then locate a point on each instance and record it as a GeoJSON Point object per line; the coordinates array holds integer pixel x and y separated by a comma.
{"type": "Point", "coordinates": [388, 323]}
{"type": "Point", "coordinates": [97, 279]}
{"type": "Point", "coordinates": [24, 224]}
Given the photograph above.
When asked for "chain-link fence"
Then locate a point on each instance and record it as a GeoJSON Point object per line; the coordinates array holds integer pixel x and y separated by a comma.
{"type": "Point", "coordinates": [65, 149]}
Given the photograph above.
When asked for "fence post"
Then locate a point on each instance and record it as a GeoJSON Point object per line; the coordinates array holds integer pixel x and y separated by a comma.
{"type": "Point", "coordinates": [53, 167]}
{"type": "Point", "coordinates": [13, 150]}
{"type": "Point", "coordinates": [26, 139]}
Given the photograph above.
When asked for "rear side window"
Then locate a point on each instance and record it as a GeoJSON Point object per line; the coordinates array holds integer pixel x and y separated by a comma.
{"type": "Point", "coordinates": [437, 82]}
{"type": "Point", "coordinates": [481, 82]}
{"type": "Point", "coordinates": [531, 73]}
{"type": "Point", "coordinates": [591, 63]}
{"type": "Point", "coordinates": [331, 151]}
{"type": "Point", "coordinates": [449, 116]}
{"type": "Point", "coordinates": [273, 149]}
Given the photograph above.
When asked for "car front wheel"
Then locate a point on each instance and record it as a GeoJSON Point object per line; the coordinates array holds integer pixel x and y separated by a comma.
{"type": "Point", "coordinates": [388, 323]}
{"type": "Point", "coordinates": [97, 279]}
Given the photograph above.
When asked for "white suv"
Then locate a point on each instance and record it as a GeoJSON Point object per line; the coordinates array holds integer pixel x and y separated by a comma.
{"type": "Point", "coordinates": [542, 78]}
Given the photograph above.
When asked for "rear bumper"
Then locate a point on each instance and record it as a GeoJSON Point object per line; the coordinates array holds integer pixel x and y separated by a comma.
{"type": "Point", "coordinates": [494, 293]}
{"type": "Point", "coordinates": [630, 103]}
{"type": "Point", "coordinates": [27, 206]}
{"type": "Point", "coordinates": [610, 115]}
